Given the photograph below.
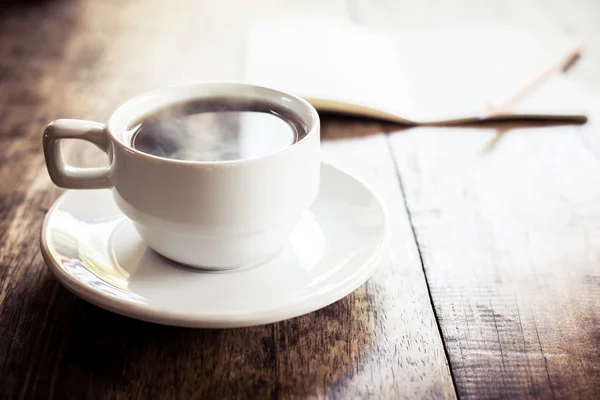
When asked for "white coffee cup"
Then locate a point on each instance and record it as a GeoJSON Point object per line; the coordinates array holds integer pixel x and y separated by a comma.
{"type": "Point", "coordinates": [212, 215]}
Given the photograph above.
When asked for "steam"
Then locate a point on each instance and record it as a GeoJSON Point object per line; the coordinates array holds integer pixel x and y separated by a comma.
{"type": "Point", "coordinates": [216, 131]}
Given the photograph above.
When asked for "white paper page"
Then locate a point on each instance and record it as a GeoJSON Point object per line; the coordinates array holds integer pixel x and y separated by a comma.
{"type": "Point", "coordinates": [332, 64]}
{"type": "Point", "coordinates": [457, 73]}
{"type": "Point", "coordinates": [451, 73]}
{"type": "Point", "coordinates": [557, 95]}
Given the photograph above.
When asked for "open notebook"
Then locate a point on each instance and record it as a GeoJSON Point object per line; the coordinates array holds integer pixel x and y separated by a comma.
{"type": "Point", "coordinates": [444, 76]}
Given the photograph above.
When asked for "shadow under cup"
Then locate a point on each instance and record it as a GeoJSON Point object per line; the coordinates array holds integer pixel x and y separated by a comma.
{"type": "Point", "coordinates": [223, 213]}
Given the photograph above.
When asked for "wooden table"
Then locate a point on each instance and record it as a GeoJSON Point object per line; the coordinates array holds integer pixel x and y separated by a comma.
{"type": "Point", "coordinates": [491, 288]}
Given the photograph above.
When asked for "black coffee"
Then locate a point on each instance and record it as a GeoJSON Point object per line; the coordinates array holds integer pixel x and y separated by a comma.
{"type": "Point", "coordinates": [217, 130]}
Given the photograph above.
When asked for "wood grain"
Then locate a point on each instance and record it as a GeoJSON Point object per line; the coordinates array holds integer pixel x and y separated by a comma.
{"type": "Point", "coordinates": [81, 59]}
{"type": "Point", "coordinates": [506, 219]}
{"type": "Point", "coordinates": [509, 243]}
{"type": "Point", "coordinates": [400, 281]}
{"type": "Point", "coordinates": [506, 224]}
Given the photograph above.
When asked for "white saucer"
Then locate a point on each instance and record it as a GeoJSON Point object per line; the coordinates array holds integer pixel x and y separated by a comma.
{"type": "Point", "coordinates": [94, 251]}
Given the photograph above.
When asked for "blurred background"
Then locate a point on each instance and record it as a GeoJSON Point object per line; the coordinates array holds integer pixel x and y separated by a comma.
{"type": "Point", "coordinates": [527, 214]}
{"type": "Point", "coordinates": [96, 54]}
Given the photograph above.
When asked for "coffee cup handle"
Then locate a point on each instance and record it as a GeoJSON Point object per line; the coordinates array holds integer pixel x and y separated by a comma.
{"type": "Point", "coordinates": [65, 175]}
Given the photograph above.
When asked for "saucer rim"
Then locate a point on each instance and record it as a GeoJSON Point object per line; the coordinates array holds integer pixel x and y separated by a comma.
{"type": "Point", "coordinates": [143, 312]}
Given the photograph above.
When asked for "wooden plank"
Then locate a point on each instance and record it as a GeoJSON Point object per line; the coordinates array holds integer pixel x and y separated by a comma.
{"type": "Point", "coordinates": [509, 241]}
{"type": "Point", "coordinates": [505, 221]}
{"type": "Point", "coordinates": [405, 327]}
{"type": "Point", "coordinates": [81, 60]}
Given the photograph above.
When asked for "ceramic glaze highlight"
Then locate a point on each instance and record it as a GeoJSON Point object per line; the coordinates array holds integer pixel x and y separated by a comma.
{"type": "Point", "coordinates": [95, 251]}
{"type": "Point", "coordinates": [206, 214]}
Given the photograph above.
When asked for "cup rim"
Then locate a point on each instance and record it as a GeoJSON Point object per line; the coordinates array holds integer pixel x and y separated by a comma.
{"type": "Point", "coordinates": [141, 105]}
